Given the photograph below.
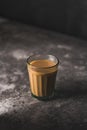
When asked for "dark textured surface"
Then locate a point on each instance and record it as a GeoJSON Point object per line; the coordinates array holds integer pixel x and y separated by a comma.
{"type": "Point", "coordinates": [67, 16]}
{"type": "Point", "coordinates": [18, 109]}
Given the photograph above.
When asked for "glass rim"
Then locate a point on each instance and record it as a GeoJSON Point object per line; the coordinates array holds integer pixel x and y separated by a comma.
{"type": "Point", "coordinates": [42, 67]}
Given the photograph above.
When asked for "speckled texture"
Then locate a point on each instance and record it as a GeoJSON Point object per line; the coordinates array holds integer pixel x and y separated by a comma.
{"type": "Point", "coordinates": [18, 109]}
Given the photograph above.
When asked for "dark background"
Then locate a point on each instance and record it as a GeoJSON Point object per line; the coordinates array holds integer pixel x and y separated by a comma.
{"type": "Point", "coordinates": [66, 16]}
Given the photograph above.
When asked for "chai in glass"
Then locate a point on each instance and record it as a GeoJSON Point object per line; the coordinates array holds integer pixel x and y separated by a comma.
{"type": "Point", "coordinates": [42, 70]}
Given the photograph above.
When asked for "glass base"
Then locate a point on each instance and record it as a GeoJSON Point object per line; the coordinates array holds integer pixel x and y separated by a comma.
{"type": "Point", "coordinates": [44, 98]}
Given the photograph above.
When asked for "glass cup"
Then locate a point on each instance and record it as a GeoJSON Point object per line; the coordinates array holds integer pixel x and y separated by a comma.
{"type": "Point", "coordinates": [42, 70]}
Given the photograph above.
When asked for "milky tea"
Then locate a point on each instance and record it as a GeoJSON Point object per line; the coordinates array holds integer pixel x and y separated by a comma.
{"type": "Point", "coordinates": [42, 72]}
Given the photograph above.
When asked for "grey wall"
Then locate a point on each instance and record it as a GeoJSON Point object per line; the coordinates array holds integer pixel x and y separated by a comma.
{"type": "Point", "coordinates": [67, 16]}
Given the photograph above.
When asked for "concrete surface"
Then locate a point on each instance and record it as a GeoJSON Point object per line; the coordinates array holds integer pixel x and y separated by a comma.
{"type": "Point", "coordinates": [18, 109]}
